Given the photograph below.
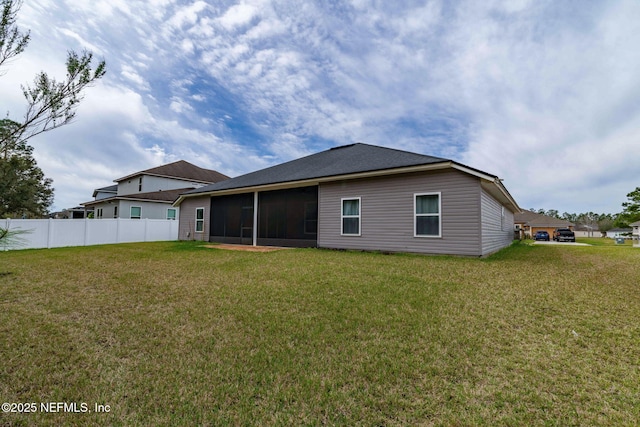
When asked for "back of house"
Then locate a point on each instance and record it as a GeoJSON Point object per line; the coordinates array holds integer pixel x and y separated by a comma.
{"type": "Point", "coordinates": [360, 197]}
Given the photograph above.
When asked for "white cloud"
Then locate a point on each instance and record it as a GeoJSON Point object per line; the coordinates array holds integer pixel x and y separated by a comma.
{"type": "Point", "coordinates": [237, 15]}
{"type": "Point", "coordinates": [513, 88]}
{"type": "Point", "coordinates": [187, 15]}
{"type": "Point", "coordinates": [179, 105]}
{"type": "Point", "coordinates": [187, 46]}
{"type": "Point", "coordinates": [541, 116]}
{"type": "Point", "coordinates": [130, 74]}
{"type": "Point", "coordinates": [84, 43]}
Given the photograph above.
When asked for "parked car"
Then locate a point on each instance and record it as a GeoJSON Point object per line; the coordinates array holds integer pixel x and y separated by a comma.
{"type": "Point", "coordinates": [541, 235]}
{"type": "Point", "coordinates": [564, 235]}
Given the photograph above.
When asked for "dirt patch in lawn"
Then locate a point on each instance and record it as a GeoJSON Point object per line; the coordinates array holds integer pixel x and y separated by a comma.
{"type": "Point", "coordinates": [246, 248]}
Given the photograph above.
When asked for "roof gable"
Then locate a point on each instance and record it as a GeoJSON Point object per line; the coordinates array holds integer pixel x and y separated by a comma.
{"type": "Point", "coordinates": [108, 189]}
{"type": "Point", "coordinates": [181, 170]}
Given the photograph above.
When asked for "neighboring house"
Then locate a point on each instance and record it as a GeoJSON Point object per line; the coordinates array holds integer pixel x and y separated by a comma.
{"type": "Point", "coordinates": [582, 230]}
{"type": "Point", "coordinates": [529, 223]}
{"type": "Point", "coordinates": [151, 192]}
{"type": "Point", "coordinates": [78, 212]}
{"type": "Point", "coordinates": [619, 232]}
{"type": "Point", "coordinates": [105, 192]}
{"type": "Point", "coordinates": [360, 197]}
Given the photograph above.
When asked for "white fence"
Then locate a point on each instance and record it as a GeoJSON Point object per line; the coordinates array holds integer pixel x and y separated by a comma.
{"type": "Point", "coordinates": [56, 233]}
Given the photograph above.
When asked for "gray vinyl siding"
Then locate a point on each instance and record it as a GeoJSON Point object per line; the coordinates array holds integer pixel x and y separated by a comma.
{"type": "Point", "coordinates": [103, 195]}
{"type": "Point", "coordinates": [148, 210]}
{"type": "Point", "coordinates": [107, 209]}
{"type": "Point", "coordinates": [152, 183]}
{"type": "Point", "coordinates": [187, 225]}
{"type": "Point", "coordinates": [497, 232]}
{"type": "Point", "coordinates": [387, 213]}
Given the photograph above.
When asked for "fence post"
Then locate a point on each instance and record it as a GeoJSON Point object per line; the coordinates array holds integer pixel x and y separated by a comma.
{"type": "Point", "coordinates": [146, 228]}
{"type": "Point", "coordinates": [4, 241]}
{"type": "Point", "coordinates": [49, 233]}
{"type": "Point", "coordinates": [118, 230]}
{"type": "Point", "coordinates": [86, 231]}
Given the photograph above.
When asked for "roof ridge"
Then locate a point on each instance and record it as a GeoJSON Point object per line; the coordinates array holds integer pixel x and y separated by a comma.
{"type": "Point", "coordinates": [180, 169]}
{"type": "Point", "coordinates": [398, 150]}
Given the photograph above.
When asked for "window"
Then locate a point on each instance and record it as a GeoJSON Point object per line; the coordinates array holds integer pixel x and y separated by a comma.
{"type": "Point", "coordinates": [136, 212]}
{"type": "Point", "coordinates": [199, 220]}
{"type": "Point", "coordinates": [115, 211]}
{"type": "Point", "coordinates": [351, 216]}
{"type": "Point", "coordinates": [140, 184]}
{"type": "Point", "coordinates": [99, 213]}
{"type": "Point", "coordinates": [171, 214]}
{"type": "Point", "coordinates": [427, 215]}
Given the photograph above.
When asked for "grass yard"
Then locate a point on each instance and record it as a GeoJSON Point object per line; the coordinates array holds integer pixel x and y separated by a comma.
{"type": "Point", "coordinates": [177, 334]}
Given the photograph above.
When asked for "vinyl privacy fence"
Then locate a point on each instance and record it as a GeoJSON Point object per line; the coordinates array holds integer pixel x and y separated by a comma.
{"type": "Point", "coordinates": [56, 233]}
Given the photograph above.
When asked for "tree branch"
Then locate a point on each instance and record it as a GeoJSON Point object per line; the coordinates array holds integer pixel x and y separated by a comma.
{"type": "Point", "coordinates": [12, 41]}
{"type": "Point", "coordinates": [51, 104]}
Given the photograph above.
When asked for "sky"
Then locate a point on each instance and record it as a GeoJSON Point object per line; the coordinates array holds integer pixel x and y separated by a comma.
{"type": "Point", "coordinates": [543, 94]}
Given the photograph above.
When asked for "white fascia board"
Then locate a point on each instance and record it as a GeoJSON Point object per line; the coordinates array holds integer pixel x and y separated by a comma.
{"type": "Point", "coordinates": [491, 180]}
{"type": "Point", "coordinates": [497, 190]}
{"type": "Point", "coordinates": [474, 172]}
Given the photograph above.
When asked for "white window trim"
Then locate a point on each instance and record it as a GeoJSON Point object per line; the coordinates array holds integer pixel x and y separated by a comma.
{"type": "Point", "coordinates": [130, 213]}
{"type": "Point", "coordinates": [176, 213]}
{"type": "Point", "coordinates": [416, 215]}
{"type": "Point", "coordinates": [359, 216]}
{"type": "Point", "coordinates": [195, 225]}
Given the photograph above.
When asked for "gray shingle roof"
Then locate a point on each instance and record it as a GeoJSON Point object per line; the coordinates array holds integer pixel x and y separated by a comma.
{"type": "Point", "coordinates": [181, 169]}
{"type": "Point", "coordinates": [344, 160]}
{"type": "Point", "coordinates": [535, 219]}
{"type": "Point", "coordinates": [109, 189]}
{"type": "Point", "coordinates": [154, 196]}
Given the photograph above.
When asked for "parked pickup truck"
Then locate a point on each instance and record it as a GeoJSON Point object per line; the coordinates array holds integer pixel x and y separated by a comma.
{"type": "Point", "coordinates": [564, 235]}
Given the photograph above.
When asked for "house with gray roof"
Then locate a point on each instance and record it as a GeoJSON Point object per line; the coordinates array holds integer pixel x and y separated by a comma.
{"type": "Point", "coordinates": [360, 197]}
{"type": "Point", "coordinates": [105, 192]}
{"type": "Point", "coordinates": [150, 193]}
{"type": "Point", "coordinates": [625, 233]}
{"type": "Point", "coordinates": [529, 223]}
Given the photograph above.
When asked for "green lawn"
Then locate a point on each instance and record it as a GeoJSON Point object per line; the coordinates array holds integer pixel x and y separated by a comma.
{"type": "Point", "coordinates": [177, 334]}
{"type": "Point", "coordinates": [603, 241]}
